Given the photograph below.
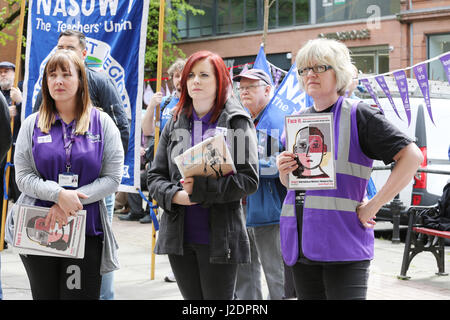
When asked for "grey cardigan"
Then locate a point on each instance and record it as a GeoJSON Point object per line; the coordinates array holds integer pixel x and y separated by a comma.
{"type": "Point", "coordinates": [34, 187]}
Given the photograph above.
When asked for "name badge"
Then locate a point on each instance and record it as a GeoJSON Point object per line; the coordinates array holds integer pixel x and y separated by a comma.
{"type": "Point", "coordinates": [45, 139]}
{"type": "Point", "coordinates": [68, 179]}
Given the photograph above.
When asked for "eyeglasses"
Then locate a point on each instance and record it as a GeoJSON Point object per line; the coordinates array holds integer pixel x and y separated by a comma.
{"type": "Point", "coordinates": [242, 89]}
{"type": "Point", "coordinates": [315, 69]}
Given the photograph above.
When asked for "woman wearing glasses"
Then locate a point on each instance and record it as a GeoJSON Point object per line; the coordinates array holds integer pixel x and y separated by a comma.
{"type": "Point", "coordinates": [327, 235]}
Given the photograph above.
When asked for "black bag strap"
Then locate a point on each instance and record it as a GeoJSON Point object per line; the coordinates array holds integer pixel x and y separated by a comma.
{"type": "Point", "coordinates": [166, 103]}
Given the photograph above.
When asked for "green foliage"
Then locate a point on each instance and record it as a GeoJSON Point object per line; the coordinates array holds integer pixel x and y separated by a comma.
{"type": "Point", "coordinates": [177, 11]}
{"type": "Point", "coordinates": [8, 20]}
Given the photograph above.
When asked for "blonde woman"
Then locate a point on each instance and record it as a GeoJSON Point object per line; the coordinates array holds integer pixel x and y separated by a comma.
{"type": "Point", "coordinates": [68, 137]}
{"type": "Point", "coordinates": [328, 238]}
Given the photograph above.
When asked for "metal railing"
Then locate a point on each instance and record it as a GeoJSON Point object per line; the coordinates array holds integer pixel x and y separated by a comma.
{"type": "Point", "coordinates": [396, 205]}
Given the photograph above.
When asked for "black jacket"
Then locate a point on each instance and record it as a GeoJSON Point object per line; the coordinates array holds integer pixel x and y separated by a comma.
{"type": "Point", "coordinates": [104, 95]}
{"type": "Point", "coordinates": [5, 124]}
{"type": "Point", "coordinates": [229, 242]}
{"type": "Point", "coordinates": [17, 118]}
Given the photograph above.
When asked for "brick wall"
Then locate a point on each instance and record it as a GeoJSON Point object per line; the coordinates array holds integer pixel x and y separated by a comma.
{"type": "Point", "coordinates": [8, 51]}
{"type": "Point", "coordinates": [389, 33]}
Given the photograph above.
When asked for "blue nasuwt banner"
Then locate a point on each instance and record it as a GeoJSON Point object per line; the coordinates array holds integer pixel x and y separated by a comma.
{"type": "Point", "coordinates": [115, 39]}
{"type": "Point", "coordinates": [288, 99]}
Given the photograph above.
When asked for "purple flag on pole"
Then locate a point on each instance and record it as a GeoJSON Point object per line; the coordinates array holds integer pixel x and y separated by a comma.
{"type": "Point", "coordinates": [420, 71]}
{"type": "Point", "coordinates": [446, 64]}
{"type": "Point", "coordinates": [402, 84]}
{"type": "Point", "coordinates": [383, 85]}
{"type": "Point", "coordinates": [372, 93]}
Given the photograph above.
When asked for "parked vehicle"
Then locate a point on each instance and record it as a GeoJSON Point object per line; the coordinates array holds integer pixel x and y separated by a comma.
{"type": "Point", "coordinates": [433, 140]}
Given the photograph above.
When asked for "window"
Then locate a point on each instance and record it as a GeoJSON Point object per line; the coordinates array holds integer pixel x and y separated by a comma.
{"type": "Point", "coordinates": [301, 12]}
{"type": "Point", "coordinates": [236, 16]}
{"type": "Point", "coordinates": [437, 45]}
{"type": "Point", "coordinates": [372, 59]}
{"type": "Point", "coordinates": [223, 17]}
{"type": "Point", "coordinates": [198, 25]}
{"type": "Point", "coordinates": [205, 20]}
{"type": "Point", "coordinates": [340, 10]}
{"type": "Point", "coordinates": [252, 19]}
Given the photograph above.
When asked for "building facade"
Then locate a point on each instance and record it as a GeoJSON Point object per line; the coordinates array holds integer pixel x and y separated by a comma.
{"type": "Point", "coordinates": [8, 48]}
{"type": "Point", "coordinates": [383, 35]}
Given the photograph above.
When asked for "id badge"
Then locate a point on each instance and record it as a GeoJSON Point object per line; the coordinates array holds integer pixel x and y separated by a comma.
{"type": "Point", "coordinates": [68, 179]}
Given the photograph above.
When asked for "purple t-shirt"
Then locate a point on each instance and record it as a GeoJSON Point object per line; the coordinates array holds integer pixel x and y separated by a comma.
{"type": "Point", "coordinates": [196, 218]}
{"type": "Point", "coordinates": [85, 160]}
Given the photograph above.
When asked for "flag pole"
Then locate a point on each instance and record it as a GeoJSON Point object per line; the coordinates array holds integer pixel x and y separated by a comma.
{"type": "Point", "coordinates": [267, 6]}
{"type": "Point", "coordinates": [157, 111]}
{"type": "Point", "coordinates": [8, 156]}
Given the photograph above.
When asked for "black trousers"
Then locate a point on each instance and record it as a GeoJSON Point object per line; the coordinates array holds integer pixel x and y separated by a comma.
{"type": "Point", "coordinates": [198, 279]}
{"type": "Point", "coordinates": [344, 281]}
{"type": "Point", "coordinates": [54, 278]}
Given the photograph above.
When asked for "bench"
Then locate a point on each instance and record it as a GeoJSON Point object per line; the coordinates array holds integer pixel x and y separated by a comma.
{"type": "Point", "coordinates": [420, 239]}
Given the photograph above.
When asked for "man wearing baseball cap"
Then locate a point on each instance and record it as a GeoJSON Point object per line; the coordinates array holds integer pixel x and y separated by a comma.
{"type": "Point", "coordinates": [262, 208]}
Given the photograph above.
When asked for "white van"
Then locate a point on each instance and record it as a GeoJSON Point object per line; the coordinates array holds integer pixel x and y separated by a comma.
{"type": "Point", "coordinates": [432, 139]}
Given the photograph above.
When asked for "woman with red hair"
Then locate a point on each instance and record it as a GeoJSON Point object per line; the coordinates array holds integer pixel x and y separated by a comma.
{"type": "Point", "coordinates": [203, 227]}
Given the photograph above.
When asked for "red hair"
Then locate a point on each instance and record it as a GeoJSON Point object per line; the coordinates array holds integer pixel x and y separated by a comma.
{"type": "Point", "coordinates": [223, 83]}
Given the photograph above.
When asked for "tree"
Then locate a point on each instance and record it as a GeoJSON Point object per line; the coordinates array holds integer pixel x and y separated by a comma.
{"type": "Point", "coordinates": [8, 21]}
{"type": "Point", "coordinates": [176, 11]}
{"type": "Point", "coordinates": [267, 6]}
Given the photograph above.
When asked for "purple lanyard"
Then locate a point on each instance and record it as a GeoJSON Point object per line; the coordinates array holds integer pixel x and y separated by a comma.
{"type": "Point", "coordinates": [68, 142]}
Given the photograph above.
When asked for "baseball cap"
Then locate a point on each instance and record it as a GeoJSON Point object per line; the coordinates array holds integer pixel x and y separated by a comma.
{"type": "Point", "coordinates": [254, 74]}
{"type": "Point", "coordinates": [6, 64]}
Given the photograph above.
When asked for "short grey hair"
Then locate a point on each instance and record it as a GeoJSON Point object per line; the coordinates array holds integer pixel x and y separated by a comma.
{"type": "Point", "coordinates": [329, 52]}
{"type": "Point", "coordinates": [178, 65]}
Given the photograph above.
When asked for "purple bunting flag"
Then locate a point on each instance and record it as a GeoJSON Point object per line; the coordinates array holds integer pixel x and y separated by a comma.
{"type": "Point", "coordinates": [277, 78]}
{"type": "Point", "coordinates": [420, 71]}
{"type": "Point", "coordinates": [446, 64]}
{"type": "Point", "coordinates": [402, 84]}
{"type": "Point", "coordinates": [372, 93]}
{"type": "Point", "coordinates": [383, 85]}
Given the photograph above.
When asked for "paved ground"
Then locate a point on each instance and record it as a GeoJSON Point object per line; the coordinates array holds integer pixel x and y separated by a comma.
{"type": "Point", "coordinates": [132, 281]}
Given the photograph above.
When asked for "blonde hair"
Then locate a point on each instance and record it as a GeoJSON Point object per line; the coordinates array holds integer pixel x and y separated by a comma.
{"type": "Point", "coordinates": [47, 111]}
{"type": "Point", "coordinates": [329, 52]}
{"type": "Point", "coordinates": [178, 65]}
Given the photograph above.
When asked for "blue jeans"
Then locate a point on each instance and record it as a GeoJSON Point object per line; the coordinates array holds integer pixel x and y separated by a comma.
{"type": "Point", "coordinates": [107, 288]}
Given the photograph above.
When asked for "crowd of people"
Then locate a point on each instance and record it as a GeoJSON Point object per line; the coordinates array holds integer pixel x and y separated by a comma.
{"type": "Point", "coordinates": [221, 233]}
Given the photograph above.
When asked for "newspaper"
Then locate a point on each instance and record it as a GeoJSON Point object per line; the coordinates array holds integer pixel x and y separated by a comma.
{"type": "Point", "coordinates": [31, 236]}
{"type": "Point", "coordinates": [211, 157]}
{"type": "Point", "coordinates": [310, 137]}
